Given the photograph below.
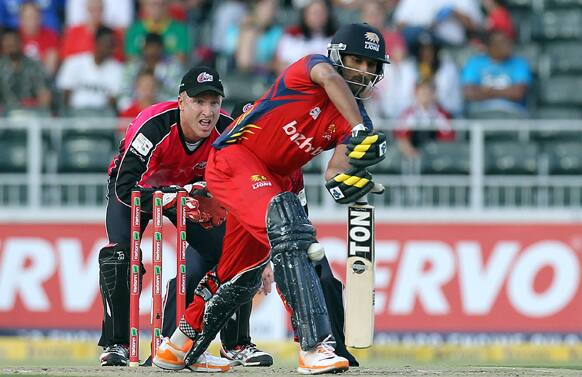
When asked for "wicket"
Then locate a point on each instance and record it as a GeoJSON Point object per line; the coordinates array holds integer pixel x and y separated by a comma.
{"type": "Point", "coordinates": [135, 276]}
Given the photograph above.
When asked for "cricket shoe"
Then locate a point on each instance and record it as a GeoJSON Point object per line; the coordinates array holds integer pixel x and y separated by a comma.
{"type": "Point", "coordinates": [322, 359]}
{"type": "Point", "coordinates": [247, 355]}
{"type": "Point", "coordinates": [171, 357]}
{"type": "Point", "coordinates": [115, 355]}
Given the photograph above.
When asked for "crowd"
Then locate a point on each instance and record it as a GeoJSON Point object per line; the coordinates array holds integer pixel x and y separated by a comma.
{"type": "Point", "coordinates": [117, 57]}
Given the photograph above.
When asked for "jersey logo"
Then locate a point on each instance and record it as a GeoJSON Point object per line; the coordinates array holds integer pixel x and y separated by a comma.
{"type": "Point", "coordinates": [301, 140]}
{"type": "Point", "coordinates": [372, 41]}
{"type": "Point", "coordinates": [240, 133]}
{"type": "Point", "coordinates": [260, 181]}
{"type": "Point", "coordinates": [200, 165]}
{"type": "Point", "coordinates": [328, 134]}
{"type": "Point", "coordinates": [247, 107]}
{"type": "Point", "coordinates": [315, 112]}
{"type": "Point", "coordinates": [142, 144]}
{"type": "Point", "coordinates": [204, 77]}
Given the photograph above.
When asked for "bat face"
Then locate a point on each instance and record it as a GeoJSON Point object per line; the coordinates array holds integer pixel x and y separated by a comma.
{"type": "Point", "coordinates": [359, 326]}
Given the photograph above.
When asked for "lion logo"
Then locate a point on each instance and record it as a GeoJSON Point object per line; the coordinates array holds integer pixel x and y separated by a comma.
{"type": "Point", "coordinates": [258, 178]}
{"type": "Point", "coordinates": [372, 37]}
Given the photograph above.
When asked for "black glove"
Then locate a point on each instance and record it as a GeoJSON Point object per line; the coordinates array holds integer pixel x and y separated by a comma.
{"type": "Point", "coordinates": [366, 148]}
{"type": "Point", "coordinates": [350, 186]}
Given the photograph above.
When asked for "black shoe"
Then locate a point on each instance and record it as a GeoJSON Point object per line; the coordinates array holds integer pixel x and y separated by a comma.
{"type": "Point", "coordinates": [247, 355]}
{"type": "Point", "coordinates": [351, 358]}
{"type": "Point", "coordinates": [115, 355]}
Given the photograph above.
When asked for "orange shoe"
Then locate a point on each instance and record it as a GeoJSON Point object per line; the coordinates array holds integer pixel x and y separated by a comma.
{"type": "Point", "coordinates": [170, 357]}
{"type": "Point", "coordinates": [321, 359]}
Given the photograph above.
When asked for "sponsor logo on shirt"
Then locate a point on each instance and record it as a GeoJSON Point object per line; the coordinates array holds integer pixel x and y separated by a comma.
{"type": "Point", "coordinates": [200, 165]}
{"type": "Point", "coordinates": [372, 41]}
{"type": "Point", "coordinates": [315, 112]}
{"type": "Point", "coordinates": [247, 107]}
{"type": "Point", "coordinates": [142, 145]}
{"type": "Point", "coordinates": [328, 134]}
{"type": "Point", "coordinates": [301, 140]}
{"type": "Point", "coordinates": [260, 181]}
{"type": "Point", "coordinates": [204, 77]}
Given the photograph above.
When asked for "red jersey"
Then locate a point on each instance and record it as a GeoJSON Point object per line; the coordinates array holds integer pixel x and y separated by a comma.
{"type": "Point", "coordinates": [292, 123]}
{"type": "Point", "coordinates": [154, 152]}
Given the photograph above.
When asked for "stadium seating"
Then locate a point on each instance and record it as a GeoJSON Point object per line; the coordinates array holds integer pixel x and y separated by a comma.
{"type": "Point", "coordinates": [564, 158]}
{"type": "Point", "coordinates": [13, 151]}
{"type": "Point", "coordinates": [511, 158]}
{"type": "Point", "coordinates": [562, 90]}
{"type": "Point", "coordinates": [558, 112]}
{"type": "Point", "coordinates": [392, 164]}
{"type": "Point", "coordinates": [558, 24]}
{"type": "Point", "coordinates": [445, 158]}
{"type": "Point", "coordinates": [563, 58]}
{"type": "Point", "coordinates": [243, 87]}
{"type": "Point", "coordinates": [85, 152]}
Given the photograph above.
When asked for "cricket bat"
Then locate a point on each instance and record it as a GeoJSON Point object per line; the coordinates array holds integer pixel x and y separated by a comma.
{"type": "Point", "coordinates": [359, 322]}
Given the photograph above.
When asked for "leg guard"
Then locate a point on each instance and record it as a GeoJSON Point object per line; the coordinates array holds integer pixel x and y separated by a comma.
{"type": "Point", "coordinates": [221, 302]}
{"type": "Point", "coordinates": [290, 234]}
{"type": "Point", "coordinates": [114, 286]}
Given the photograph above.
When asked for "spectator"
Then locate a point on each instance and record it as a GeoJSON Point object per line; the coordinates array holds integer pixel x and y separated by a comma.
{"type": "Point", "coordinates": [23, 83]}
{"type": "Point", "coordinates": [422, 122]}
{"type": "Point", "coordinates": [50, 9]}
{"type": "Point", "coordinates": [455, 20]}
{"type": "Point", "coordinates": [145, 94]}
{"type": "Point", "coordinates": [91, 82]}
{"type": "Point", "coordinates": [156, 19]}
{"type": "Point", "coordinates": [80, 38]}
{"type": "Point", "coordinates": [117, 14]}
{"type": "Point", "coordinates": [228, 13]}
{"type": "Point", "coordinates": [39, 42]}
{"type": "Point", "coordinates": [432, 65]}
{"type": "Point", "coordinates": [396, 91]}
{"type": "Point", "coordinates": [495, 82]}
{"type": "Point", "coordinates": [167, 70]}
{"type": "Point", "coordinates": [449, 20]}
{"type": "Point", "coordinates": [254, 42]}
{"type": "Point", "coordinates": [498, 18]}
{"type": "Point", "coordinates": [311, 36]}
{"type": "Point", "coordinates": [374, 12]}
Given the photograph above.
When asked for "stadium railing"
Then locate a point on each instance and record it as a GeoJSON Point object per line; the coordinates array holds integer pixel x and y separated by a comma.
{"type": "Point", "coordinates": [56, 166]}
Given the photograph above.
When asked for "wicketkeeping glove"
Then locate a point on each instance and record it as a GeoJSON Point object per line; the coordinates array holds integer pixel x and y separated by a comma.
{"type": "Point", "coordinates": [212, 213]}
{"type": "Point", "coordinates": [366, 148]}
{"type": "Point", "coordinates": [350, 186]}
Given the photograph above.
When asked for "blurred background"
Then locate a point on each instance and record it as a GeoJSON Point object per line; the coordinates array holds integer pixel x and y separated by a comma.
{"type": "Point", "coordinates": [478, 236]}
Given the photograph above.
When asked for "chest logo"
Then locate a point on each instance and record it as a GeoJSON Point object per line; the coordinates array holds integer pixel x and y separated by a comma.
{"type": "Point", "coordinates": [301, 140]}
{"type": "Point", "coordinates": [315, 112]}
{"type": "Point", "coordinates": [200, 165]}
{"type": "Point", "coordinates": [328, 134]}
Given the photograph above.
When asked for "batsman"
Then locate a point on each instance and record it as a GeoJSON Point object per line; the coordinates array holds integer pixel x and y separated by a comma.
{"type": "Point", "coordinates": [314, 105]}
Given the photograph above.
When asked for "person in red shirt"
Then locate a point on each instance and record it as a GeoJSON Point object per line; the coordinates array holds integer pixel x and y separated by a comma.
{"type": "Point", "coordinates": [38, 42]}
{"type": "Point", "coordinates": [146, 91]}
{"type": "Point", "coordinates": [80, 38]}
{"type": "Point", "coordinates": [498, 18]}
{"type": "Point", "coordinates": [167, 144]}
{"type": "Point", "coordinates": [424, 121]}
{"type": "Point", "coordinates": [310, 108]}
